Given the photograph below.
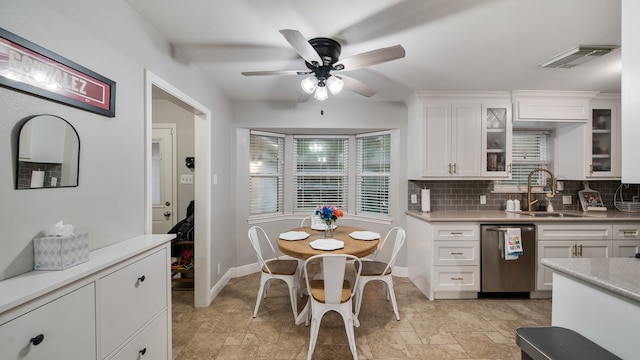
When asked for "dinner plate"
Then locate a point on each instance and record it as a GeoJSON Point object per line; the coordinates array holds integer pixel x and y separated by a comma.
{"type": "Point", "coordinates": [365, 235]}
{"type": "Point", "coordinates": [322, 226]}
{"type": "Point", "coordinates": [327, 244]}
{"type": "Point", "coordinates": [294, 235]}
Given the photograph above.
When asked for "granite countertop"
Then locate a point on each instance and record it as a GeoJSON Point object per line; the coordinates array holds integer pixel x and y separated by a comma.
{"type": "Point", "coordinates": [507, 217]}
{"type": "Point", "coordinates": [618, 275]}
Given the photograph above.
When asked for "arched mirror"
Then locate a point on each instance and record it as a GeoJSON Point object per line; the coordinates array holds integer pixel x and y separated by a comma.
{"type": "Point", "coordinates": [48, 153]}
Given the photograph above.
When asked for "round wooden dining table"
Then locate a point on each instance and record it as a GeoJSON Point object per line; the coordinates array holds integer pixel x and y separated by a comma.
{"type": "Point", "coordinates": [300, 249]}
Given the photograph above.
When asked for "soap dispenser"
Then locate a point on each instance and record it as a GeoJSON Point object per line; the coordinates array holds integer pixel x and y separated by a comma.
{"type": "Point", "coordinates": [510, 205]}
{"type": "Point", "coordinates": [516, 205]}
{"type": "Point", "coordinates": [550, 206]}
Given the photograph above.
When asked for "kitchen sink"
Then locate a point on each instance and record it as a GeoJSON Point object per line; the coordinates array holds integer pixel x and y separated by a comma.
{"type": "Point", "coordinates": [544, 214]}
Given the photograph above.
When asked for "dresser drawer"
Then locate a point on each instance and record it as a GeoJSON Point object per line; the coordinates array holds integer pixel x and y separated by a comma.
{"type": "Point", "coordinates": [67, 326]}
{"type": "Point", "coordinates": [149, 344]}
{"type": "Point", "coordinates": [456, 278]}
{"type": "Point", "coordinates": [626, 231]}
{"type": "Point", "coordinates": [456, 231]}
{"type": "Point", "coordinates": [456, 252]}
{"type": "Point", "coordinates": [130, 297]}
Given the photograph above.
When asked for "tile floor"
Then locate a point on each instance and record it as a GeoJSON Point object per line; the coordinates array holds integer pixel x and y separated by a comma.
{"type": "Point", "coordinates": [441, 329]}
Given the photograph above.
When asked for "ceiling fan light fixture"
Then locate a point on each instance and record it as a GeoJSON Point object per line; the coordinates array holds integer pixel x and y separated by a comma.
{"type": "Point", "coordinates": [321, 93]}
{"type": "Point", "coordinates": [309, 84]}
{"type": "Point", "coordinates": [335, 84]}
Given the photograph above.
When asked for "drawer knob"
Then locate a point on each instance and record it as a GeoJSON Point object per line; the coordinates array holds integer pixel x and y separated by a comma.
{"type": "Point", "coordinates": [143, 351]}
{"type": "Point", "coordinates": [141, 278]}
{"type": "Point", "coordinates": [37, 340]}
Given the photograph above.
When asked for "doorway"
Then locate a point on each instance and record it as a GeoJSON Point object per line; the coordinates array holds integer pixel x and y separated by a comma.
{"type": "Point", "coordinates": [163, 173]}
{"type": "Point", "coordinates": [156, 87]}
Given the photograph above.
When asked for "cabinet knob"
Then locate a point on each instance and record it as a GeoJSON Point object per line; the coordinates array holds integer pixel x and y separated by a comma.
{"type": "Point", "coordinates": [141, 278]}
{"type": "Point", "coordinates": [143, 351]}
{"type": "Point", "coordinates": [37, 340]}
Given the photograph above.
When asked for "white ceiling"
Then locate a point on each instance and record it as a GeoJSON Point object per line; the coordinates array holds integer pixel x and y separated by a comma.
{"type": "Point", "coordinates": [467, 45]}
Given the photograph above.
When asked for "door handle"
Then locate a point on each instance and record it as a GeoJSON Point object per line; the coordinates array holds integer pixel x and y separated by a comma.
{"type": "Point", "coordinates": [167, 213]}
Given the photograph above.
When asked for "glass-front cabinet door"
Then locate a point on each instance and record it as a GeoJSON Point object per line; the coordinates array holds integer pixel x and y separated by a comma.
{"type": "Point", "coordinates": [603, 146]}
{"type": "Point", "coordinates": [496, 141]}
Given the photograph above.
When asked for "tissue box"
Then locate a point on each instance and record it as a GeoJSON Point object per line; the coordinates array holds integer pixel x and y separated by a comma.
{"type": "Point", "coordinates": [60, 252]}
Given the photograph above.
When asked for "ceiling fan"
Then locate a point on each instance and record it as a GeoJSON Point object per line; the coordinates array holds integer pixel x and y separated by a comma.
{"type": "Point", "coordinates": [322, 59]}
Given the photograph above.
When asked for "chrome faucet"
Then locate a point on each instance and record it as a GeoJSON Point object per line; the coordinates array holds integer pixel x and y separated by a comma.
{"type": "Point", "coordinates": [553, 186]}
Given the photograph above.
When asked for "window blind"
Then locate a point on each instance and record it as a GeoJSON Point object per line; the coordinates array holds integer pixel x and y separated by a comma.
{"type": "Point", "coordinates": [530, 150]}
{"type": "Point", "coordinates": [373, 176]}
{"type": "Point", "coordinates": [266, 174]}
{"type": "Point", "coordinates": [320, 172]}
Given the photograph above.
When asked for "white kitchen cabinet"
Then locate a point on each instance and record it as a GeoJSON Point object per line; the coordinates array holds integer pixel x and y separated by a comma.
{"type": "Point", "coordinates": [117, 302]}
{"type": "Point", "coordinates": [551, 106]}
{"type": "Point", "coordinates": [626, 240]}
{"type": "Point", "coordinates": [443, 259]}
{"type": "Point", "coordinates": [64, 328]}
{"type": "Point", "coordinates": [570, 241]}
{"type": "Point", "coordinates": [592, 150]}
{"type": "Point", "coordinates": [448, 135]}
{"type": "Point", "coordinates": [496, 140]}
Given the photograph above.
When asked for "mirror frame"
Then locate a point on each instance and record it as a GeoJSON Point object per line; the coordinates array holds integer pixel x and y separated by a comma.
{"type": "Point", "coordinates": [19, 161]}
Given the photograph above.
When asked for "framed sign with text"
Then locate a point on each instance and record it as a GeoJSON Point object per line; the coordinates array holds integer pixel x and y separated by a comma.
{"type": "Point", "coordinates": [27, 67]}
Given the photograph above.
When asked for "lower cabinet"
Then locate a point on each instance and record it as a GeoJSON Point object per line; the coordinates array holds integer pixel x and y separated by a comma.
{"type": "Point", "coordinates": [443, 259]}
{"type": "Point", "coordinates": [64, 328]}
{"type": "Point", "coordinates": [117, 305]}
{"type": "Point", "coordinates": [626, 240]}
{"type": "Point", "coordinates": [570, 241]}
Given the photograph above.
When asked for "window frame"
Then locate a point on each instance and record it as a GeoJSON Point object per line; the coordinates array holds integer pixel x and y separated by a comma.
{"type": "Point", "coordinates": [360, 173]}
{"type": "Point", "coordinates": [279, 175]}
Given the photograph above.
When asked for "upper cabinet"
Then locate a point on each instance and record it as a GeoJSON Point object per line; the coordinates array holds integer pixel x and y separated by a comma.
{"type": "Point", "coordinates": [552, 106]}
{"type": "Point", "coordinates": [446, 130]}
{"type": "Point", "coordinates": [592, 150]}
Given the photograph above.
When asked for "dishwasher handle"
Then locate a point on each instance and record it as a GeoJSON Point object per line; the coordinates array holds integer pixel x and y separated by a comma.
{"type": "Point", "coordinates": [504, 230]}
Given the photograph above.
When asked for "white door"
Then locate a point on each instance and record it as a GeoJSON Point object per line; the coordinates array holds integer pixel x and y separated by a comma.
{"type": "Point", "coordinates": [163, 175]}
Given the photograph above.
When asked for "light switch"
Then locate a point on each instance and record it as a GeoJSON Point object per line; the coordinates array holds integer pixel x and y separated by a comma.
{"type": "Point", "coordinates": [414, 198]}
{"type": "Point", "coordinates": [186, 179]}
{"type": "Point", "coordinates": [483, 199]}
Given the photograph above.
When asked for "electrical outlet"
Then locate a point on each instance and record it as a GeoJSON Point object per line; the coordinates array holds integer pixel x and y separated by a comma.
{"type": "Point", "coordinates": [483, 199]}
{"type": "Point", "coordinates": [414, 198]}
{"type": "Point", "coordinates": [186, 179]}
{"type": "Point", "coordinates": [566, 199]}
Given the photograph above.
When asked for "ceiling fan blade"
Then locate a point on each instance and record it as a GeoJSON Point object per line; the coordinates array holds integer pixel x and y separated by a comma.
{"type": "Point", "coordinates": [275, 72]}
{"type": "Point", "coordinates": [357, 86]}
{"type": "Point", "coordinates": [301, 45]}
{"type": "Point", "coordinates": [372, 57]}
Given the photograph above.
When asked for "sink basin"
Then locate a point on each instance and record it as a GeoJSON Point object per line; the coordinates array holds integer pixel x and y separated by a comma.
{"type": "Point", "coordinates": [549, 214]}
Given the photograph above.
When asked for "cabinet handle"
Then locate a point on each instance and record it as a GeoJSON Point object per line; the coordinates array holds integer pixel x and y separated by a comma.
{"type": "Point", "coordinates": [456, 233]}
{"type": "Point", "coordinates": [449, 171]}
{"type": "Point", "coordinates": [457, 253]}
{"type": "Point", "coordinates": [630, 233]}
{"type": "Point", "coordinates": [37, 340]}
{"type": "Point", "coordinates": [590, 168]}
{"type": "Point", "coordinates": [457, 278]}
{"type": "Point", "coordinates": [580, 250]}
{"type": "Point", "coordinates": [143, 351]}
{"type": "Point", "coordinates": [455, 168]}
{"type": "Point", "coordinates": [574, 250]}
{"type": "Point", "coordinates": [141, 278]}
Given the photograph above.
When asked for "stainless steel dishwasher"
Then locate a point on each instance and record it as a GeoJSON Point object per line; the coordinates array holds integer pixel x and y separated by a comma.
{"type": "Point", "coordinates": [500, 275]}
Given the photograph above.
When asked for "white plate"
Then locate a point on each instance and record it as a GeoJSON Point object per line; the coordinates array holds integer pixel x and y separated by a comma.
{"type": "Point", "coordinates": [322, 226]}
{"type": "Point", "coordinates": [294, 235]}
{"type": "Point", "coordinates": [327, 244]}
{"type": "Point", "coordinates": [365, 235]}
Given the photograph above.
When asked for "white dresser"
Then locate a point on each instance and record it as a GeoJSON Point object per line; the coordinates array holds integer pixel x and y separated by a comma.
{"type": "Point", "coordinates": [115, 306]}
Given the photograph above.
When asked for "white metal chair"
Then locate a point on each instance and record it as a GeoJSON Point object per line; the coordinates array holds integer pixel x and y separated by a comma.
{"type": "Point", "coordinates": [285, 270]}
{"type": "Point", "coordinates": [332, 293]}
{"type": "Point", "coordinates": [380, 270]}
{"type": "Point", "coordinates": [311, 220]}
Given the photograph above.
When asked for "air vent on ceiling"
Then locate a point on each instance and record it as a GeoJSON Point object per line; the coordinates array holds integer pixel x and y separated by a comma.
{"type": "Point", "coordinates": [578, 55]}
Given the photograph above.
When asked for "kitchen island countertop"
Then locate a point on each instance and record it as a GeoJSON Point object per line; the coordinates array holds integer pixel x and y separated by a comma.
{"type": "Point", "coordinates": [618, 275]}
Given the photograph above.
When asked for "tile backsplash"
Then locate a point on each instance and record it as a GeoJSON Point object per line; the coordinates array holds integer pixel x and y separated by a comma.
{"type": "Point", "coordinates": [465, 194]}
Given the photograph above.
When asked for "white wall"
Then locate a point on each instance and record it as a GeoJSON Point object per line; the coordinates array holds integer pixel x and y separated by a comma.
{"type": "Point", "coordinates": [339, 117]}
{"type": "Point", "coordinates": [109, 38]}
{"type": "Point", "coordinates": [630, 113]}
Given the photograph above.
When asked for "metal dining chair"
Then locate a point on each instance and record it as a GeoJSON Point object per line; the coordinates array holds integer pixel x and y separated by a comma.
{"type": "Point", "coordinates": [333, 292]}
{"type": "Point", "coordinates": [376, 269]}
{"type": "Point", "coordinates": [276, 268]}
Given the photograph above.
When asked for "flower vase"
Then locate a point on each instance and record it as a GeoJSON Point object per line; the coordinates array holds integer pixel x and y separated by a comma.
{"type": "Point", "coordinates": [328, 230]}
